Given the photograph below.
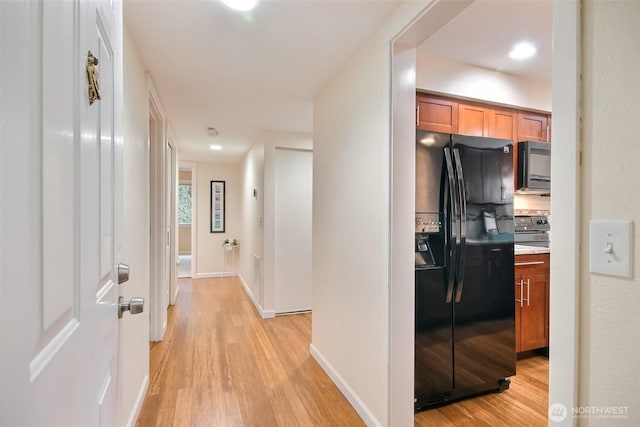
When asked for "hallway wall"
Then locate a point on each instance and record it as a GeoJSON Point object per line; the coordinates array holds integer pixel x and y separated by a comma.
{"type": "Point", "coordinates": [609, 340]}
{"type": "Point", "coordinates": [351, 231]}
{"type": "Point", "coordinates": [133, 364]}
{"type": "Point", "coordinates": [252, 236]}
{"type": "Point", "coordinates": [209, 253]}
{"type": "Point", "coordinates": [258, 234]}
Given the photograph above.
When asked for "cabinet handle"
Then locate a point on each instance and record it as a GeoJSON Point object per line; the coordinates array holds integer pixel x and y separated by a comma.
{"type": "Point", "coordinates": [530, 263]}
{"type": "Point", "coordinates": [418, 115]}
{"type": "Point", "coordinates": [548, 139]}
{"type": "Point", "coordinates": [521, 284]}
{"type": "Point", "coordinates": [528, 291]}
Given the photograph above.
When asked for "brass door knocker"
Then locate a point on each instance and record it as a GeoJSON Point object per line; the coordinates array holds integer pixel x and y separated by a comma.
{"type": "Point", "coordinates": [92, 76]}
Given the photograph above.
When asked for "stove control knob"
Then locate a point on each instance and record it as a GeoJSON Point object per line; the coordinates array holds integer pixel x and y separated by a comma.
{"type": "Point", "coordinates": [539, 221]}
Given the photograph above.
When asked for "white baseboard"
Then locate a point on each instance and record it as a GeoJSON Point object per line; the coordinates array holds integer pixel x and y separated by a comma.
{"type": "Point", "coordinates": [362, 409]}
{"type": "Point", "coordinates": [133, 417]}
{"type": "Point", "coordinates": [265, 314]}
{"type": "Point", "coordinates": [211, 275]}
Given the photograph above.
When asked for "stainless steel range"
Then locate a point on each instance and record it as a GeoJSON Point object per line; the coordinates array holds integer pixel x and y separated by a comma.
{"type": "Point", "coordinates": [532, 230]}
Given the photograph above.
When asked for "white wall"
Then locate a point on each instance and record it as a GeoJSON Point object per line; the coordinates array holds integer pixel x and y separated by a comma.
{"type": "Point", "coordinates": [258, 228]}
{"type": "Point", "coordinates": [609, 339]}
{"type": "Point", "coordinates": [350, 228]}
{"type": "Point", "coordinates": [464, 80]}
{"type": "Point", "coordinates": [133, 365]}
{"type": "Point", "coordinates": [209, 253]}
{"type": "Point", "coordinates": [252, 235]}
{"type": "Point", "coordinates": [350, 336]}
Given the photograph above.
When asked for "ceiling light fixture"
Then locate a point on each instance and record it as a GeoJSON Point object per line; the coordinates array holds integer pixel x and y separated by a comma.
{"type": "Point", "coordinates": [522, 50]}
{"type": "Point", "coordinates": [215, 147]}
{"type": "Point", "coordinates": [241, 5]}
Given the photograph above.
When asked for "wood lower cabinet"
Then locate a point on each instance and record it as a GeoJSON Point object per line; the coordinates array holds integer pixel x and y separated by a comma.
{"type": "Point", "coordinates": [532, 301]}
{"type": "Point", "coordinates": [436, 114]}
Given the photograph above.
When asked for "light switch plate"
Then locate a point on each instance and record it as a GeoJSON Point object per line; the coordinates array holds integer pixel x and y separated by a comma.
{"type": "Point", "coordinates": [610, 247]}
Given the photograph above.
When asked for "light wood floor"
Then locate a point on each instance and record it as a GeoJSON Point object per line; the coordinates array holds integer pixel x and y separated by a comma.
{"type": "Point", "coordinates": [221, 365]}
{"type": "Point", "coordinates": [525, 403]}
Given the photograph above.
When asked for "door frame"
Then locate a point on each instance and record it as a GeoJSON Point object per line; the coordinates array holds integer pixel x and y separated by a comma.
{"type": "Point", "coordinates": [171, 222]}
{"type": "Point", "coordinates": [156, 137]}
{"type": "Point", "coordinates": [565, 300]}
{"type": "Point", "coordinates": [193, 167]}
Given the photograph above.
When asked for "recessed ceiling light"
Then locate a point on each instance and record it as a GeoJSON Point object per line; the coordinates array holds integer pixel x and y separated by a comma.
{"type": "Point", "coordinates": [522, 50]}
{"type": "Point", "coordinates": [215, 147]}
{"type": "Point", "coordinates": [241, 5]}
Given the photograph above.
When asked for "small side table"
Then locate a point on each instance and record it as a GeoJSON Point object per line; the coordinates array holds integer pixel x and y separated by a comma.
{"type": "Point", "coordinates": [228, 247]}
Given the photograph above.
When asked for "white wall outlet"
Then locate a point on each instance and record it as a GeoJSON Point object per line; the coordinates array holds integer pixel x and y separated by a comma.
{"type": "Point", "coordinates": [611, 247]}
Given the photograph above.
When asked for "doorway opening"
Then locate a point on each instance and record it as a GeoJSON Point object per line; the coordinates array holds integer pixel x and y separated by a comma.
{"type": "Point", "coordinates": [565, 107]}
{"type": "Point", "coordinates": [186, 214]}
{"type": "Point", "coordinates": [162, 218]}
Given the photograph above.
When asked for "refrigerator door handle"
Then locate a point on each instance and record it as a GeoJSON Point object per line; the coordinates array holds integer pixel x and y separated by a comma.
{"type": "Point", "coordinates": [462, 195]}
{"type": "Point", "coordinates": [452, 219]}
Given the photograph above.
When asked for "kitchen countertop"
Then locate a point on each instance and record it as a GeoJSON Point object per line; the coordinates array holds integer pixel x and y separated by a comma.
{"type": "Point", "coordinates": [529, 250]}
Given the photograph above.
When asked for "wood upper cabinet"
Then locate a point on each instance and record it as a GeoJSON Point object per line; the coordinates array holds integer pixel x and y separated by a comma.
{"type": "Point", "coordinates": [532, 301]}
{"type": "Point", "coordinates": [533, 126]}
{"type": "Point", "coordinates": [473, 119]}
{"type": "Point", "coordinates": [436, 114]}
{"type": "Point", "coordinates": [482, 120]}
{"type": "Point", "coordinates": [449, 115]}
{"type": "Point", "coordinates": [504, 124]}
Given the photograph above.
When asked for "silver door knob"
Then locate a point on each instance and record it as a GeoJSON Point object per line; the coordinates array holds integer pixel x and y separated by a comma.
{"type": "Point", "coordinates": [134, 306]}
{"type": "Point", "coordinates": [123, 273]}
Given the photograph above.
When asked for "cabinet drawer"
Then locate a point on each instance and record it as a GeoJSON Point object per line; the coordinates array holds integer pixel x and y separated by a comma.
{"type": "Point", "coordinates": [531, 263]}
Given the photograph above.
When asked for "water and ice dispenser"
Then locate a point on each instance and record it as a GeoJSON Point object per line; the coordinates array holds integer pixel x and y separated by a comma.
{"type": "Point", "coordinates": [428, 240]}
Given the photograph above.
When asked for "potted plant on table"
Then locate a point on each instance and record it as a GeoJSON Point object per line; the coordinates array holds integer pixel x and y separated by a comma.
{"type": "Point", "coordinates": [230, 244]}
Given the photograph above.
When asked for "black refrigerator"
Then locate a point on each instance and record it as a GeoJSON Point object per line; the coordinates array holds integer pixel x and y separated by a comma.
{"type": "Point", "coordinates": [464, 267]}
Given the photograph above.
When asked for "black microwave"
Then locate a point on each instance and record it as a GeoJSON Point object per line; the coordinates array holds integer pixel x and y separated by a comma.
{"type": "Point", "coordinates": [534, 167]}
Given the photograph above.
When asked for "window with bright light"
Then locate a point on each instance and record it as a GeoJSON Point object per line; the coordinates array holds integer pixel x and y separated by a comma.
{"type": "Point", "coordinates": [184, 204]}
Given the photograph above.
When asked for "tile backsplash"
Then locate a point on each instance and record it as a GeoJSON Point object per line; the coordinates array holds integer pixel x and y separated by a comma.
{"type": "Point", "coordinates": [532, 202]}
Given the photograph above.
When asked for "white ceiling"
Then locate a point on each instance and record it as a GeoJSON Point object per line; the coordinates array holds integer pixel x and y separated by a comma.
{"type": "Point", "coordinates": [243, 73]}
{"type": "Point", "coordinates": [484, 33]}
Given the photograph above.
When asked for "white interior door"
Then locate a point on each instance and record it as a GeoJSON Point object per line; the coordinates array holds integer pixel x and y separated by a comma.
{"type": "Point", "coordinates": [158, 299]}
{"type": "Point", "coordinates": [292, 257]}
{"type": "Point", "coordinates": [59, 241]}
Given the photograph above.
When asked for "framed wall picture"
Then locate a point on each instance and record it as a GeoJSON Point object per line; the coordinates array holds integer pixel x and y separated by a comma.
{"type": "Point", "coordinates": [217, 207]}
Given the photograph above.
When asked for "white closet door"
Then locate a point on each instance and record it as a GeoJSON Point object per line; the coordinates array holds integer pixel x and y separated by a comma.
{"type": "Point", "coordinates": [293, 191]}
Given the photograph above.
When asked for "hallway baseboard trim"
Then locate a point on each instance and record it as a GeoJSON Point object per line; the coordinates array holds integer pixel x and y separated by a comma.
{"type": "Point", "coordinates": [212, 275]}
{"type": "Point", "coordinates": [265, 314]}
{"type": "Point", "coordinates": [355, 401]}
{"type": "Point", "coordinates": [133, 416]}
